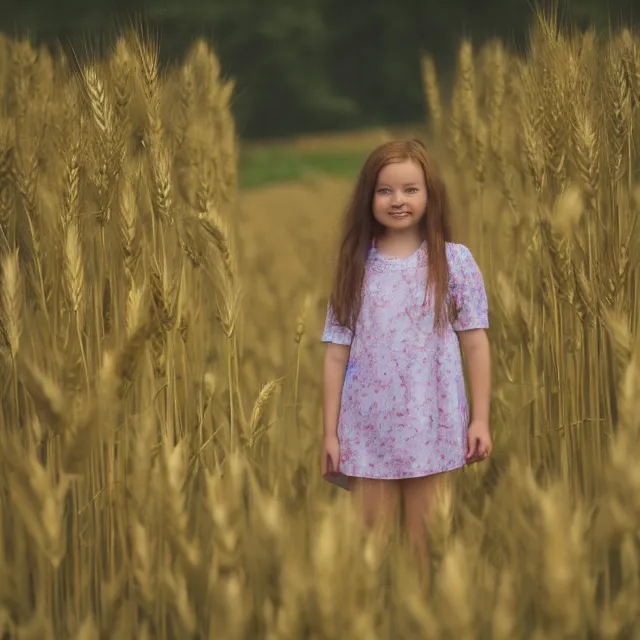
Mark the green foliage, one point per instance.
(307, 65)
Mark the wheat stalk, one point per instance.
(129, 234)
(257, 429)
(432, 90)
(12, 302)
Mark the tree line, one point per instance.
(306, 65)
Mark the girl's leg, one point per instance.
(377, 500)
(419, 496)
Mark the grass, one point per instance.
(271, 166)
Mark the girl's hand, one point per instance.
(479, 442)
(330, 463)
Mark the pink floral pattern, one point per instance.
(404, 409)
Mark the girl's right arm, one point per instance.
(335, 366)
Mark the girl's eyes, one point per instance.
(410, 190)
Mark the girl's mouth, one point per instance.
(400, 214)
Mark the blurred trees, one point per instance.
(305, 65)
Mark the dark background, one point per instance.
(307, 65)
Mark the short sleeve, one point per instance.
(334, 332)
(467, 291)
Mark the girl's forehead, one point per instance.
(405, 171)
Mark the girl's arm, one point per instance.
(475, 346)
(335, 365)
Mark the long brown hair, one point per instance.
(360, 229)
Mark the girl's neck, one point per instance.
(398, 245)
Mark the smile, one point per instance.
(400, 214)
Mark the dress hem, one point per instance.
(342, 479)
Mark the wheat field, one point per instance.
(161, 365)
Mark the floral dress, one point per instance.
(404, 411)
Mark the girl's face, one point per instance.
(400, 196)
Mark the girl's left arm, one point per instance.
(475, 346)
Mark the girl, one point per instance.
(404, 301)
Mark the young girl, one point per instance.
(405, 300)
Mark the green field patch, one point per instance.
(263, 167)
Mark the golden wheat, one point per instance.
(151, 486)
